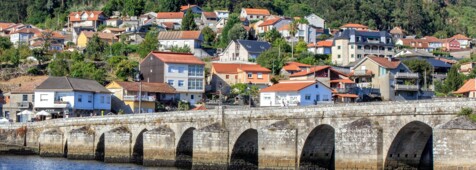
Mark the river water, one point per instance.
(17, 162)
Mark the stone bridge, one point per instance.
(386, 135)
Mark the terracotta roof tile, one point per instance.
(169, 15)
(210, 14)
(29, 87)
(256, 11)
(294, 66)
(269, 22)
(415, 43)
(27, 31)
(288, 86)
(312, 70)
(346, 81)
(176, 35)
(353, 25)
(186, 7)
(460, 37)
(384, 62)
(5, 25)
(347, 95)
(469, 86)
(92, 15)
(147, 87)
(396, 30)
(321, 44)
(179, 58)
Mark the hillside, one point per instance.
(421, 17)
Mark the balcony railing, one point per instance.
(360, 73)
(439, 75)
(407, 75)
(403, 87)
(342, 90)
(61, 104)
(23, 105)
(136, 98)
(364, 85)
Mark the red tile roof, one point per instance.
(345, 81)
(256, 11)
(417, 43)
(92, 15)
(186, 7)
(232, 68)
(288, 86)
(5, 25)
(384, 62)
(169, 15)
(176, 35)
(269, 22)
(347, 95)
(286, 27)
(210, 14)
(396, 30)
(179, 58)
(353, 25)
(168, 24)
(30, 86)
(469, 86)
(27, 31)
(294, 66)
(460, 37)
(147, 87)
(312, 70)
(321, 44)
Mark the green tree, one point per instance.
(58, 67)
(237, 32)
(188, 22)
(95, 48)
(124, 70)
(87, 70)
(422, 67)
(454, 80)
(149, 44)
(272, 35)
(184, 49)
(39, 55)
(301, 47)
(5, 43)
(233, 19)
(271, 60)
(208, 37)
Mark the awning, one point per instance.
(25, 112)
(3, 120)
(43, 113)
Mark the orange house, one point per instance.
(226, 74)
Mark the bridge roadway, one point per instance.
(387, 135)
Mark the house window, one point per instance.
(180, 83)
(326, 98)
(352, 56)
(351, 46)
(90, 98)
(171, 82)
(307, 97)
(318, 98)
(151, 70)
(389, 48)
(192, 96)
(250, 75)
(227, 76)
(43, 97)
(338, 47)
(195, 84)
(357, 39)
(80, 98)
(171, 69)
(260, 75)
(338, 56)
(102, 99)
(236, 76)
(359, 47)
(195, 70)
(181, 69)
(359, 55)
(108, 100)
(25, 98)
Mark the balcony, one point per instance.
(407, 75)
(60, 104)
(373, 41)
(361, 73)
(23, 105)
(402, 87)
(364, 85)
(342, 90)
(143, 98)
(439, 76)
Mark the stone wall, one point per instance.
(357, 136)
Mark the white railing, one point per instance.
(406, 87)
(364, 85)
(136, 98)
(407, 75)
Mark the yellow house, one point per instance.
(85, 36)
(126, 96)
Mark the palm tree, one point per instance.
(294, 28)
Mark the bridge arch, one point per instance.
(319, 149)
(412, 148)
(184, 151)
(138, 148)
(245, 151)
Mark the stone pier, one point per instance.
(277, 146)
(159, 147)
(117, 144)
(81, 144)
(210, 147)
(51, 143)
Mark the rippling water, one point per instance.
(36, 162)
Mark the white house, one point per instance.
(183, 71)
(295, 93)
(254, 13)
(72, 97)
(243, 51)
(315, 20)
(169, 18)
(23, 36)
(191, 39)
(222, 13)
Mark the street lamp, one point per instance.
(138, 78)
(249, 93)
